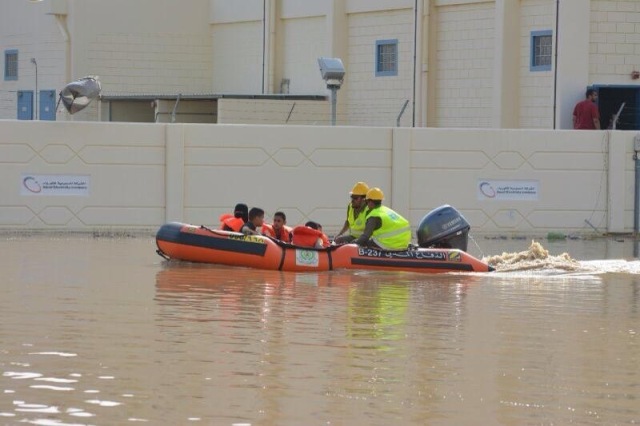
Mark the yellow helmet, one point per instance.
(359, 188)
(375, 194)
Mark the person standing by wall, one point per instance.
(585, 114)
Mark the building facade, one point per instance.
(408, 63)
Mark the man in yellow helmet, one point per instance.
(384, 228)
(355, 215)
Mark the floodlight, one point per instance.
(332, 71)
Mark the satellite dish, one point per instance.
(78, 94)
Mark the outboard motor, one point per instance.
(443, 227)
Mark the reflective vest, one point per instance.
(356, 224)
(306, 237)
(285, 232)
(395, 232)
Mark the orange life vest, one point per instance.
(228, 220)
(285, 234)
(307, 237)
(325, 240)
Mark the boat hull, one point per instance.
(192, 243)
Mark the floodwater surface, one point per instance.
(104, 331)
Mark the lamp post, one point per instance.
(332, 72)
(34, 62)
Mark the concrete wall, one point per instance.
(136, 54)
(377, 100)
(271, 111)
(536, 87)
(464, 61)
(141, 175)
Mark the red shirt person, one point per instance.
(586, 114)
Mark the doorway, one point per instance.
(611, 98)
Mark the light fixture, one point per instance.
(332, 72)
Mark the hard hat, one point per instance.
(359, 188)
(375, 194)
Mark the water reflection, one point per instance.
(346, 337)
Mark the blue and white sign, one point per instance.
(76, 185)
(521, 190)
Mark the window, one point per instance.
(386, 58)
(10, 64)
(541, 49)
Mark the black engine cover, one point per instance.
(443, 227)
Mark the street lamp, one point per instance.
(332, 72)
(34, 62)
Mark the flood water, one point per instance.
(104, 331)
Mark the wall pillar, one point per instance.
(506, 105)
(430, 51)
(400, 200)
(573, 58)
(616, 182)
(338, 47)
(174, 172)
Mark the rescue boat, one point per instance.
(186, 242)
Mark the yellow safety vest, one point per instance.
(356, 224)
(395, 232)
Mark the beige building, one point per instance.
(422, 63)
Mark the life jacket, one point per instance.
(223, 217)
(285, 233)
(325, 240)
(229, 222)
(356, 224)
(305, 236)
(395, 232)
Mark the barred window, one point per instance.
(10, 64)
(386, 57)
(541, 50)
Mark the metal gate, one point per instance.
(25, 105)
(48, 105)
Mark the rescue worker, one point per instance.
(355, 215)
(279, 229)
(384, 228)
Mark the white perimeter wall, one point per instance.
(142, 175)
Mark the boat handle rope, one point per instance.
(162, 254)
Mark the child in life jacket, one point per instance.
(310, 235)
(279, 229)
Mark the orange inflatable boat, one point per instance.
(186, 242)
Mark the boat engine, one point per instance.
(443, 227)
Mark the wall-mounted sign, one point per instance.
(522, 190)
(54, 184)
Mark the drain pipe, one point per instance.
(175, 109)
(636, 201)
(402, 112)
